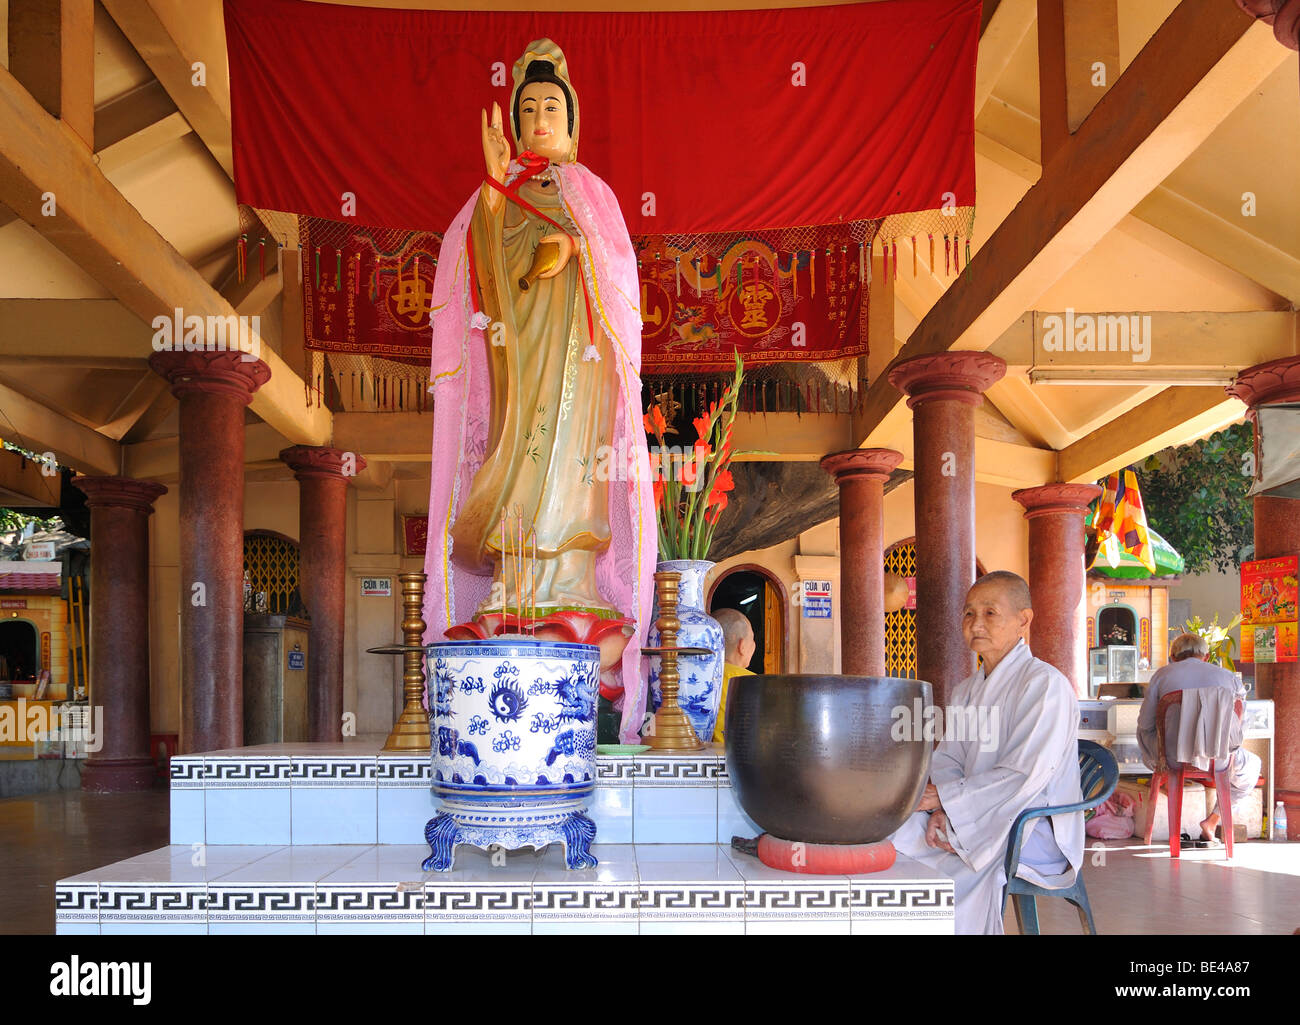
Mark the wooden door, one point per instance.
(773, 629)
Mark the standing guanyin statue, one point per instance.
(541, 517)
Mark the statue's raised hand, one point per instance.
(496, 149)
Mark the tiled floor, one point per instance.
(47, 837)
(1134, 889)
(1138, 889)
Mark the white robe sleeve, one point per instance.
(1042, 731)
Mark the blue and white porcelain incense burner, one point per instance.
(513, 728)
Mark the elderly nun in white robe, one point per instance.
(1024, 754)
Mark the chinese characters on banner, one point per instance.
(768, 304)
(1268, 609)
(361, 298)
(365, 297)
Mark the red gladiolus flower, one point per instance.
(702, 425)
(658, 488)
(722, 483)
(654, 421)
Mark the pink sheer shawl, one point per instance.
(459, 385)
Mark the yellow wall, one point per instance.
(48, 613)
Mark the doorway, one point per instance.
(753, 592)
(19, 650)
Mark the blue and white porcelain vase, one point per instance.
(513, 729)
(700, 689)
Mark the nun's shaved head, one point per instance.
(1011, 586)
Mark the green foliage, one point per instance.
(12, 519)
(1195, 497)
(1217, 639)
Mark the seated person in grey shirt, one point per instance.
(1189, 670)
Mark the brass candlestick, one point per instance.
(670, 729)
(411, 731)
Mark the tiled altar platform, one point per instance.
(350, 793)
(327, 838)
(641, 888)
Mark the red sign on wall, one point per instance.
(415, 535)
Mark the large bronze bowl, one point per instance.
(812, 758)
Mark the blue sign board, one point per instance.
(297, 660)
(816, 607)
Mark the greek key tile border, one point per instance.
(352, 902)
(76, 902)
(333, 772)
(404, 771)
(489, 902)
(684, 771)
(247, 773)
(810, 900)
(902, 900)
(666, 902)
(615, 771)
(257, 902)
(163, 903)
(576, 902)
(187, 773)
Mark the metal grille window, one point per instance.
(271, 563)
(900, 626)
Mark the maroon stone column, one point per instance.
(861, 474)
(119, 629)
(323, 475)
(1056, 576)
(1277, 532)
(213, 388)
(943, 391)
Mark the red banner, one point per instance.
(767, 304)
(699, 121)
(767, 145)
(366, 296)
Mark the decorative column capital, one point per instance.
(317, 462)
(123, 492)
(225, 373)
(1277, 380)
(1283, 15)
(1056, 498)
(861, 464)
(961, 375)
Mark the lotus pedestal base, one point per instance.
(520, 825)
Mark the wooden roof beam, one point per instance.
(99, 230)
(1204, 348)
(1004, 27)
(52, 53)
(1200, 64)
(33, 426)
(1078, 60)
(1174, 417)
(172, 60)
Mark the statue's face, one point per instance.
(544, 121)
